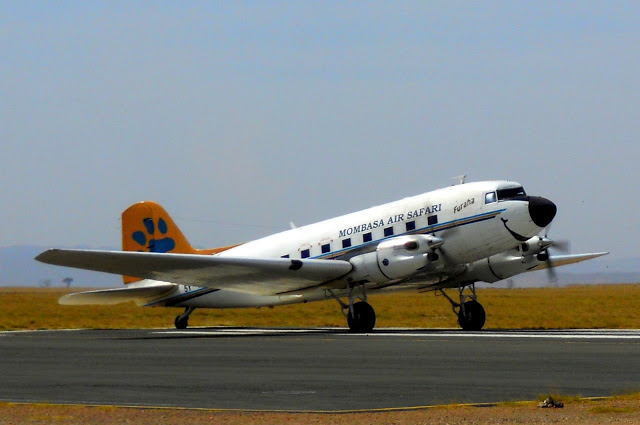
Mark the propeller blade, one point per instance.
(551, 272)
(561, 245)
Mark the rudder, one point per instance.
(147, 227)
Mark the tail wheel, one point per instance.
(472, 317)
(181, 322)
(363, 318)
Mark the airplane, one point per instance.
(448, 238)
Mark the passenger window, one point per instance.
(367, 237)
(346, 243)
(326, 248)
(285, 256)
(432, 219)
(388, 231)
(490, 198)
(411, 225)
(305, 253)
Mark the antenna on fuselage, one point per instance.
(460, 179)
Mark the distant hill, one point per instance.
(18, 268)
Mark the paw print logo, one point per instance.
(148, 239)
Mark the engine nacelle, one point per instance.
(501, 266)
(535, 245)
(395, 258)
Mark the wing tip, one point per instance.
(66, 300)
(43, 256)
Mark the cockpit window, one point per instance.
(511, 193)
(490, 198)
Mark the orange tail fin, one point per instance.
(146, 226)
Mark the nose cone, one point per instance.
(541, 210)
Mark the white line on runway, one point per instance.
(505, 335)
(227, 332)
(552, 334)
(572, 334)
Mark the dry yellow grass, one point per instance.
(588, 306)
(583, 411)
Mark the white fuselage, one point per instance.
(472, 224)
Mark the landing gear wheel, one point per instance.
(181, 322)
(363, 319)
(472, 316)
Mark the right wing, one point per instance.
(259, 276)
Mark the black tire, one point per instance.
(181, 323)
(474, 317)
(363, 319)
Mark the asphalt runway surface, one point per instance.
(312, 369)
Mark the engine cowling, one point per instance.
(523, 258)
(395, 258)
(500, 266)
(535, 245)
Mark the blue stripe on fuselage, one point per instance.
(429, 229)
(177, 299)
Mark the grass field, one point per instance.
(588, 306)
(623, 409)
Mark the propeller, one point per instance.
(561, 245)
(442, 252)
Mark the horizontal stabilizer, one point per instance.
(117, 295)
(259, 276)
(563, 260)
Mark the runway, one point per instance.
(312, 369)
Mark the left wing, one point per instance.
(131, 292)
(259, 276)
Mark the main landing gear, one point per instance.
(361, 317)
(182, 320)
(471, 315)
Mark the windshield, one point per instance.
(511, 193)
(490, 198)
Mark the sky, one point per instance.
(239, 117)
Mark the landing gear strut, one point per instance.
(361, 317)
(182, 320)
(471, 315)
